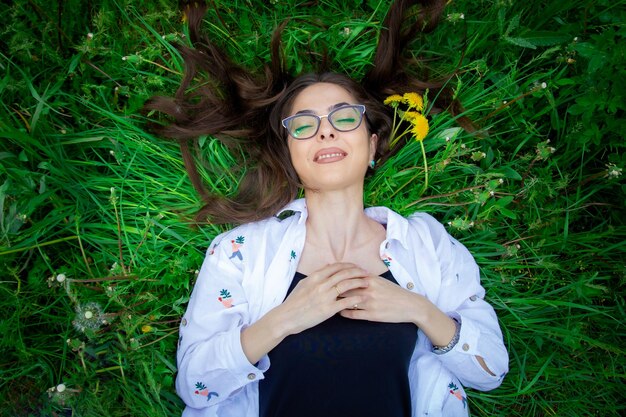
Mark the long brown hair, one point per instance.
(244, 109)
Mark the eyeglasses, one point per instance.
(344, 119)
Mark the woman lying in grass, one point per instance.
(318, 306)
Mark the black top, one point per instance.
(341, 367)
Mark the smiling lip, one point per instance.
(329, 155)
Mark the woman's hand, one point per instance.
(313, 300)
(321, 295)
(385, 301)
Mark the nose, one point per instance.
(326, 131)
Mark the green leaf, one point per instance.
(520, 42)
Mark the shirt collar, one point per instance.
(397, 226)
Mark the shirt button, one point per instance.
(465, 347)
(251, 376)
(387, 245)
(473, 298)
(184, 322)
(410, 286)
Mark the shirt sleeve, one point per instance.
(212, 366)
(461, 296)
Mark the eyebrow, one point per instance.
(331, 108)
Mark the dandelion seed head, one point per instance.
(89, 317)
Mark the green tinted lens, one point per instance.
(346, 118)
(303, 126)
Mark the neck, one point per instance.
(336, 223)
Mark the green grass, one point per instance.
(537, 195)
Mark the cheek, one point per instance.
(297, 154)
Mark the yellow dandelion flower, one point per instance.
(146, 328)
(420, 128)
(411, 116)
(393, 100)
(414, 101)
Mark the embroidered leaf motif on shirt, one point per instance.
(236, 246)
(225, 298)
(293, 255)
(202, 390)
(454, 390)
(387, 260)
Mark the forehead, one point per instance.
(320, 97)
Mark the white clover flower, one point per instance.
(60, 278)
(613, 171)
(60, 387)
(544, 85)
(90, 35)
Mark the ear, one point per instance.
(373, 145)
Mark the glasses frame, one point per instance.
(359, 107)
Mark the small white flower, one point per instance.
(90, 35)
(88, 314)
(447, 138)
(462, 146)
(614, 171)
(491, 193)
(544, 85)
(551, 149)
(504, 101)
(501, 181)
(61, 277)
(462, 16)
(124, 58)
(576, 39)
(61, 387)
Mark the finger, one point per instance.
(346, 274)
(330, 270)
(351, 287)
(349, 303)
(355, 314)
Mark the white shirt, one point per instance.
(247, 272)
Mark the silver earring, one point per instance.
(372, 164)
